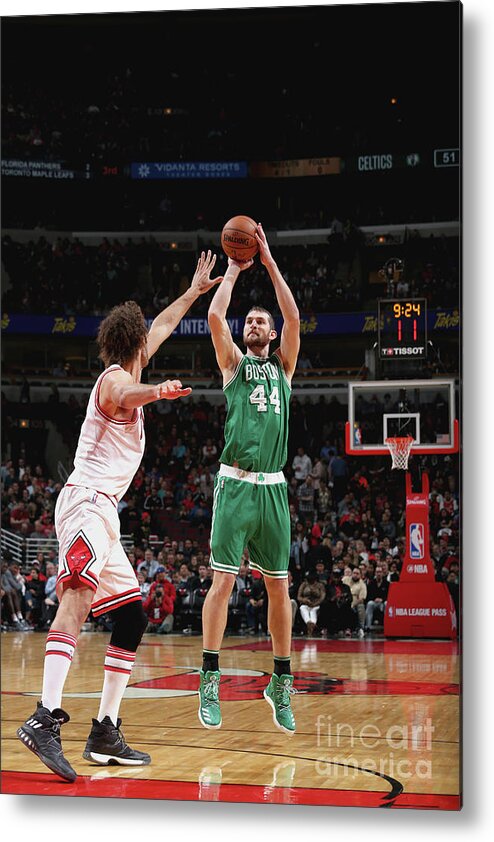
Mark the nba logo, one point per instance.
(357, 434)
(416, 540)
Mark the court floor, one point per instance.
(378, 723)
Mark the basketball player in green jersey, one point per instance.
(250, 504)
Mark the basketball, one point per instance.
(238, 238)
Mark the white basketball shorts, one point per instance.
(90, 553)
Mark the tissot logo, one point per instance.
(415, 351)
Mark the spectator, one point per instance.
(209, 452)
(454, 589)
(359, 595)
(322, 572)
(161, 581)
(143, 585)
(377, 594)
(153, 502)
(336, 612)
(299, 548)
(182, 580)
(179, 450)
(50, 603)
(206, 484)
(310, 595)
(339, 477)
(292, 593)
(302, 465)
(35, 589)
(39, 563)
(387, 527)
(323, 500)
(393, 575)
(203, 579)
(450, 505)
(11, 595)
(200, 515)
(243, 579)
(159, 611)
(185, 576)
(149, 565)
(318, 472)
(19, 515)
(306, 496)
(256, 609)
(345, 505)
(348, 524)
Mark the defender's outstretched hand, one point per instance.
(264, 252)
(172, 389)
(201, 281)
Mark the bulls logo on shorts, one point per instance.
(79, 554)
(77, 561)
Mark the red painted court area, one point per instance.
(19, 783)
(373, 647)
(238, 687)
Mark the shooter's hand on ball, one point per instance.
(172, 389)
(264, 252)
(241, 264)
(201, 282)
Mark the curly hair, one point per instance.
(121, 334)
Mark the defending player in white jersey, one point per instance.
(94, 572)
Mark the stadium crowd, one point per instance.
(347, 526)
(68, 277)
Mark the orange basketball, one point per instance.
(237, 238)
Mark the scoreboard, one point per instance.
(402, 328)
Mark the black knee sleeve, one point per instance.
(129, 624)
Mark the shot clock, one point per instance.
(402, 328)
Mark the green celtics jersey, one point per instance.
(256, 427)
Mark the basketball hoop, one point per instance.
(400, 448)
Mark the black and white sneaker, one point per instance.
(106, 745)
(41, 734)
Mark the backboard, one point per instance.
(424, 409)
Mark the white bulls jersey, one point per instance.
(109, 450)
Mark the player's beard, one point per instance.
(256, 343)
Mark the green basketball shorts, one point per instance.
(250, 510)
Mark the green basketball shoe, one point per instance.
(209, 699)
(277, 694)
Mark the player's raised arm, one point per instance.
(166, 322)
(227, 353)
(290, 334)
(120, 391)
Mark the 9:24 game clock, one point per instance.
(402, 328)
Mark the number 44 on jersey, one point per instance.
(259, 398)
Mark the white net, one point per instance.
(400, 448)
